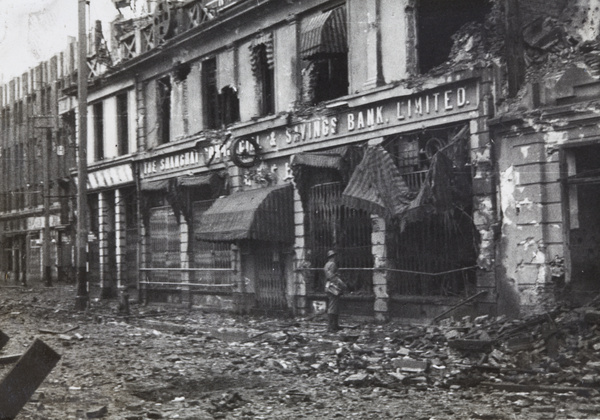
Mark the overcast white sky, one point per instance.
(34, 30)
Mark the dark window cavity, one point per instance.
(437, 21)
(210, 93)
(122, 124)
(99, 129)
(220, 108)
(164, 109)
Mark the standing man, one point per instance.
(335, 288)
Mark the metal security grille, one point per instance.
(435, 254)
(440, 245)
(334, 226)
(164, 244)
(213, 258)
(131, 239)
(270, 280)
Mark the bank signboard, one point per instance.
(442, 102)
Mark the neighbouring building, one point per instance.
(36, 152)
(446, 150)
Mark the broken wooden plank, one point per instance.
(7, 360)
(3, 339)
(25, 377)
(45, 331)
(458, 305)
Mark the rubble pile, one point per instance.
(178, 362)
(554, 351)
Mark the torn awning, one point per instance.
(377, 185)
(325, 33)
(154, 185)
(264, 214)
(212, 180)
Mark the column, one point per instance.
(142, 245)
(380, 275)
(302, 259)
(103, 245)
(120, 241)
(184, 235)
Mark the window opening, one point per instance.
(437, 21)
(211, 93)
(164, 109)
(324, 48)
(220, 108)
(98, 109)
(230, 105)
(582, 207)
(264, 73)
(123, 124)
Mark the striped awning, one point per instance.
(262, 39)
(264, 214)
(377, 185)
(325, 33)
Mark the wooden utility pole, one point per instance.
(47, 274)
(82, 299)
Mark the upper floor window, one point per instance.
(220, 108)
(438, 21)
(98, 109)
(122, 124)
(324, 53)
(164, 109)
(263, 68)
(210, 93)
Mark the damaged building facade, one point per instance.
(231, 144)
(545, 138)
(269, 133)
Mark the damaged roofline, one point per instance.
(133, 63)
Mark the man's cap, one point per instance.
(331, 253)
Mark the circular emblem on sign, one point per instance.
(244, 152)
(162, 20)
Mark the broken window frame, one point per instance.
(220, 108)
